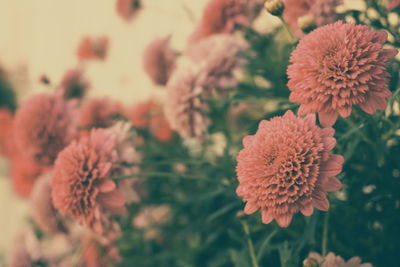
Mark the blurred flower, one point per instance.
(286, 167)
(151, 217)
(338, 66)
(99, 255)
(99, 113)
(159, 60)
(93, 48)
(184, 108)
(81, 185)
(323, 11)
(393, 4)
(7, 145)
(74, 84)
(220, 16)
(43, 212)
(336, 261)
(275, 7)
(150, 115)
(128, 9)
(24, 174)
(43, 127)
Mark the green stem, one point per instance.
(325, 236)
(286, 26)
(253, 257)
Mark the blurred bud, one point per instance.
(310, 262)
(275, 7)
(180, 168)
(307, 23)
(240, 214)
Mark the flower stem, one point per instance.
(286, 26)
(325, 234)
(253, 257)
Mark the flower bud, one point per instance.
(310, 262)
(275, 7)
(307, 23)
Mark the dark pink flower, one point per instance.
(128, 9)
(44, 125)
(73, 84)
(331, 260)
(159, 60)
(286, 167)
(81, 182)
(93, 48)
(337, 66)
(99, 113)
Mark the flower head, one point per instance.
(97, 254)
(286, 168)
(93, 48)
(99, 113)
(73, 84)
(159, 60)
(128, 9)
(43, 127)
(324, 12)
(331, 260)
(81, 185)
(338, 66)
(43, 212)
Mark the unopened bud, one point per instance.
(310, 262)
(307, 23)
(275, 7)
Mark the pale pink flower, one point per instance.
(44, 214)
(338, 66)
(44, 125)
(81, 182)
(93, 48)
(128, 9)
(323, 11)
(286, 167)
(159, 60)
(331, 260)
(73, 84)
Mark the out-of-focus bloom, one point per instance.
(286, 167)
(331, 260)
(184, 108)
(393, 4)
(128, 9)
(43, 127)
(220, 16)
(81, 185)
(24, 174)
(159, 60)
(7, 145)
(99, 113)
(275, 7)
(149, 218)
(97, 254)
(73, 84)
(93, 48)
(150, 115)
(323, 11)
(338, 66)
(43, 212)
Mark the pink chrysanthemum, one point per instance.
(26, 252)
(43, 127)
(323, 11)
(81, 185)
(338, 66)
(159, 60)
(7, 144)
(93, 48)
(336, 261)
(393, 4)
(99, 113)
(286, 168)
(220, 16)
(128, 9)
(43, 212)
(73, 84)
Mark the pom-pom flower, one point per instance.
(331, 260)
(128, 9)
(43, 212)
(286, 168)
(93, 48)
(338, 66)
(159, 60)
(43, 127)
(323, 11)
(73, 84)
(99, 113)
(81, 182)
